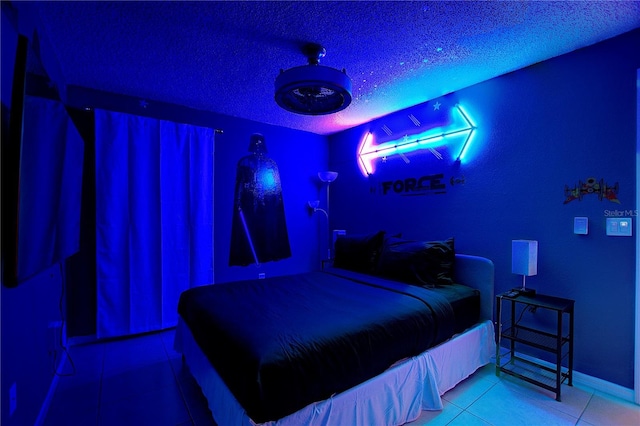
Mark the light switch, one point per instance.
(581, 225)
(619, 226)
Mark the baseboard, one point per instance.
(584, 380)
(82, 340)
(603, 386)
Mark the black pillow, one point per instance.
(426, 263)
(358, 252)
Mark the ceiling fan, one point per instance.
(313, 89)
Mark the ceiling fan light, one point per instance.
(313, 89)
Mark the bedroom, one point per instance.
(553, 124)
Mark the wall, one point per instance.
(540, 130)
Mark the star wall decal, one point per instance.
(436, 106)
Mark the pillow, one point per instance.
(358, 252)
(426, 263)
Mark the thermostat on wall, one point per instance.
(581, 225)
(619, 226)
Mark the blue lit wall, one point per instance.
(557, 123)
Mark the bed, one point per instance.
(374, 339)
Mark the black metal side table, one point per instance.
(559, 342)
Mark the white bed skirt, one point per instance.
(394, 397)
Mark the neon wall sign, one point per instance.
(460, 126)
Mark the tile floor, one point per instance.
(141, 381)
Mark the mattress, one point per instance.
(282, 343)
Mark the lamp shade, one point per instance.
(524, 257)
(327, 177)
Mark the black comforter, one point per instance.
(282, 343)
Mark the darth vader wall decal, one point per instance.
(259, 229)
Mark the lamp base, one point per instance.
(525, 291)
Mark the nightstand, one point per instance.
(559, 341)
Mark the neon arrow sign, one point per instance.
(463, 127)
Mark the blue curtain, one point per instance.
(154, 219)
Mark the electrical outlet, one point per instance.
(13, 399)
(53, 336)
(261, 276)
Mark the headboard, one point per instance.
(477, 272)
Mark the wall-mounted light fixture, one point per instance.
(524, 261)
(461, 126)
(315, 207)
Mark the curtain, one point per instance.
(154, 219)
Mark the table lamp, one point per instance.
(524, 261)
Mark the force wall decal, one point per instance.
(417, 186)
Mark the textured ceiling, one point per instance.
(224, 56)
